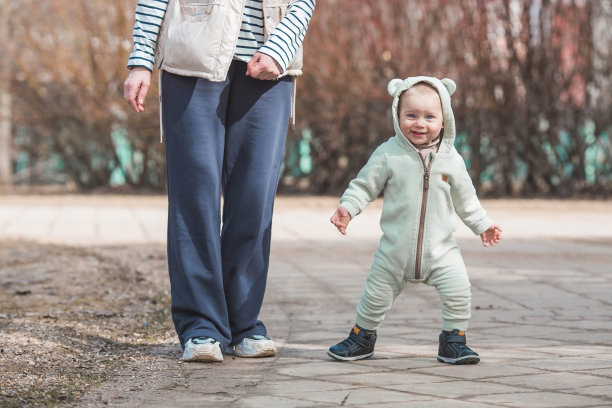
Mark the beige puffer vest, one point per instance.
(198, 37)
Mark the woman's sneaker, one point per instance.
(202, 348)
(453, 349)
(256, 346)
(358, 345)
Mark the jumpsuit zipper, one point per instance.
(419, 252)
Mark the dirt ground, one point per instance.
(71, 318)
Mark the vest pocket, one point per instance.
(196, 11)
(194, 36)
(274, 11)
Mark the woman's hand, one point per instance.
(262, 66)
(136, 86)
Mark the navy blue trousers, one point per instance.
(224, 144)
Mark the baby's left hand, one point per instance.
(491, 236)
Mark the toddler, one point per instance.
(425, 182)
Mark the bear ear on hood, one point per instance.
(393, 85)
(450, 85)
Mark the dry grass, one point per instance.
(70, 318)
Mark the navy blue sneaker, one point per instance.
(358, 345)
(453, 350)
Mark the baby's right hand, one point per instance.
(341, 219)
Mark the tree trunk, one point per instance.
(5, 101)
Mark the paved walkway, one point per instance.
(542, 319)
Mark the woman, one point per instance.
(227, 73)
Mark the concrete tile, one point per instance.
(456, 389)
(540, 400)
(506, 355)
(483, 370)
(306, 351)
(400, 363)
(362, 397)
(290, 387)
(383, 378)
(271, 401)
(406, 350)
(564, 364)
(283, 361)
(604, 391)
(594, 338)
(518, 331)
(187, 399)
(552, 381)
(317, 369)
(607, 372)
(576, 351)
(438, 403)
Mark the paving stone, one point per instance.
(559, 381)
(482, 371)
(607, 372)
(290, 387)
(576, 350)
(568, 364)
(401, 363)
(439, 403)
(383, 378)
(271, 401)
(317, 369)
(540, 400)
(456, 389)
(363, 396)
(595, 391)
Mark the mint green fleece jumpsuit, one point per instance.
(421, 198)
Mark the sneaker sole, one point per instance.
(260, 350)
(461, 360)
(204, 358)
(341, 358)
(258, 354)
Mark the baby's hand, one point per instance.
(491, 236)
(341, 219)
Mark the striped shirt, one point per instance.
(281, 45)
(251, 37)
(149, 16)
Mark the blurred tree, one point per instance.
(532, 105)
(70, 71)
(534, 109)
(6, 9)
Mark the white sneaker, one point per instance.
(202, 349)
(256, 346)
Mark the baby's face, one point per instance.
(420, 114)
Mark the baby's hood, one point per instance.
(445, 87)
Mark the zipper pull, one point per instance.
(426, 180)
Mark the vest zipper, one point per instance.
(419, 252)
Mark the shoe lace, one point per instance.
(203, 340)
